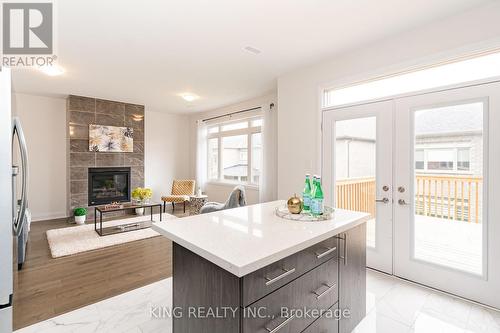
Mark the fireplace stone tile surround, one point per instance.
(83, 111)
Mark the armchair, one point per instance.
(181, 191)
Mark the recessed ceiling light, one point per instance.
(252, 50)
(53, 70)
(189, 97)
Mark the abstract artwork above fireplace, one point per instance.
(111, 139)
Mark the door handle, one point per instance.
(402, 202)
(383, 200)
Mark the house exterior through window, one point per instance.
(235, 151)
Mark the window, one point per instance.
(481, 67)
(440, 159)
(234, 167)
(463, 159)
(256, 157)
(447, 160)
(213, 158)
(235, 151)
(419, 159)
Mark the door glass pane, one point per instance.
(235, 158)
(448, 207)
(355, 168)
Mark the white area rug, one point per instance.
(67, 241)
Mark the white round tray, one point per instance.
(283, 212)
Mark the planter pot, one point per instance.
(80, 219)
(139, 211)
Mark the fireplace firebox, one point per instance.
(107, 185)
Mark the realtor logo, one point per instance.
(27, 28)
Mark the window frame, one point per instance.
(219, 135)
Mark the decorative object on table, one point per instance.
(111, 139)
(237, 198)
(80, 215)
(196, 202)
(181, 191)
(284, 213)
(306, 194)
(199, 193)
(141, 196)
(294, 204)
(317, 197)
(113, 205)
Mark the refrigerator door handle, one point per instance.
(19, 218)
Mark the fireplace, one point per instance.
(107, 185)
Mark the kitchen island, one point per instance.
(245, 270)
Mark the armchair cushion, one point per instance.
(175, 198)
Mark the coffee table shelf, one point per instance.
(126, 227)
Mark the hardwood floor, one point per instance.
(48, 287)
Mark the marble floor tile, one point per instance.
(128, 312)
(376, 322)
(403, 303)
(393, 306)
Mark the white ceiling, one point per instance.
(148, 52)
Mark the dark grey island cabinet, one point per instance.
(303, 292)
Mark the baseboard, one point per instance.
(38, 218)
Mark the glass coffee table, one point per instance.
(126, 226)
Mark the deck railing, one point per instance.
(357, 194)
(443, 196)
(450, 197)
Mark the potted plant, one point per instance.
(80, 215)
(141, 196)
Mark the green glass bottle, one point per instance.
(306, 194)
(317, 198)
(313, 188)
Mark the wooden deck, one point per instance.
(449, 243)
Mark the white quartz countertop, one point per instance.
(245, 239)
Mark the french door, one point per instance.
(436, 159)
(359, 141)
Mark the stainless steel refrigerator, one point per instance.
(13, 196)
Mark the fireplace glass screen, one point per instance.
(109, 185)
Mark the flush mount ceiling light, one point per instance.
(52, 70)
(189, 97)
(252, 50)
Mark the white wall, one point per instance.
(166, 151)
(44, 124)
(217, 191)
(299, 91)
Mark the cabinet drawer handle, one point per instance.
(280, 326)
(330, 288)
(270, 281)
(327, 252)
